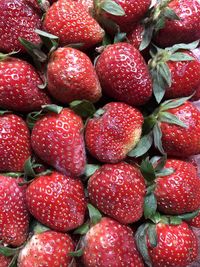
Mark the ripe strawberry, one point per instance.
(184, 30)
(88, 4)
(58, 140)
(113, 132)
(49, 248)
(71, 76)
(176, 246)
(110, 243)
(19, 18)
(19, 83)
(179, 141)
(4, 261)
(14, 216)
(179, 192)
(195, 222)
(72, 23)
(124, 75)
(15, 147)
(118, 190)
(135, 35)
(57, 201)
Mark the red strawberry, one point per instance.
(15, 147)
(135, 35)
(179, 141)
(88, 4)
(14, 217)
(176, 246)
(186, 29)
(71, 76)
(19, 83)
(113, 132)
(4, 261)
(118, 190)
(57, 201)
(47, 249)
(178, 192)
(124, 75)
(110, 243)
(58, 140)
(72, 23)
(19, 18)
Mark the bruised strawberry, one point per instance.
(71, 76)
(57, 201)
(113, 132)
(4, 261)
(14, 216)
(49, 248)
(19, 18)
(179, 192)
(72, 23)
(118, 190)
(110, 243)
(19, 89)
(15, 147)
(124, 75)
(58, 140)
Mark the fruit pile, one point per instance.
(99, 133)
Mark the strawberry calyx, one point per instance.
(90, 169)
(13, 174)
(83, 108)
(155, 21)
(109, 6)
(159, 69)
(44, 4)
(5, 56)
(11, 252)
(38, 228)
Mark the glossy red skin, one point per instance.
(111, 136)
(57, 201)
(186, 30)
(177, 246)
(195, 222)
(112, 244)
(5, 261)
(58, 140)
(185, 77)
(179, 141)
(49, 248)
(71, 76)
(14, 216)
(135, 10)
(19, 86)
(88, 4)
(19, 18)
(124, 75)
(135, 35)
(15, 145)
(179, 192)
(118, 190)
(72, 23)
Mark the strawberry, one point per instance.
(14, 216)
(195, 222)
(49, 248)
(113, 132)
(72, 23)
(19, 89)
(124, 75)
(88, 4)
(178, 192)
(135, 35)
(118, 190)
(71, 76)
(57, 201)
(184, 30)
(4, 261)
(15, 147)
(110, 243)
(58, 140)
(19, 18)
(176, 245)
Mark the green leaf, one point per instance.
(8, 252)
(77, 253)
(189, 216)
(82, 230)
(146, 37)
(170, 14)
(95, 215)
(160, 162)
(147, 170)
(90, 169)
(181, 46)
(159, 85)
(4, 56)
(156, 218)
(111, 7)
(52, 108)
(13, 174)
(164, 172)
(150, 189)
(4, 112)
(178, 56)
(141, 242)
(106, 40)
(37, 228)
(142, 147)
(174, 103)
(49, 40)
(46, 34)
(152, 234)
(83, 108)
(13, 262)
(165, 72)
(157, 136)
(28, 168)
(119, 37)
(150, 205)
(175, 220)
(172, 119)
(32, 118)
(99, 113)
